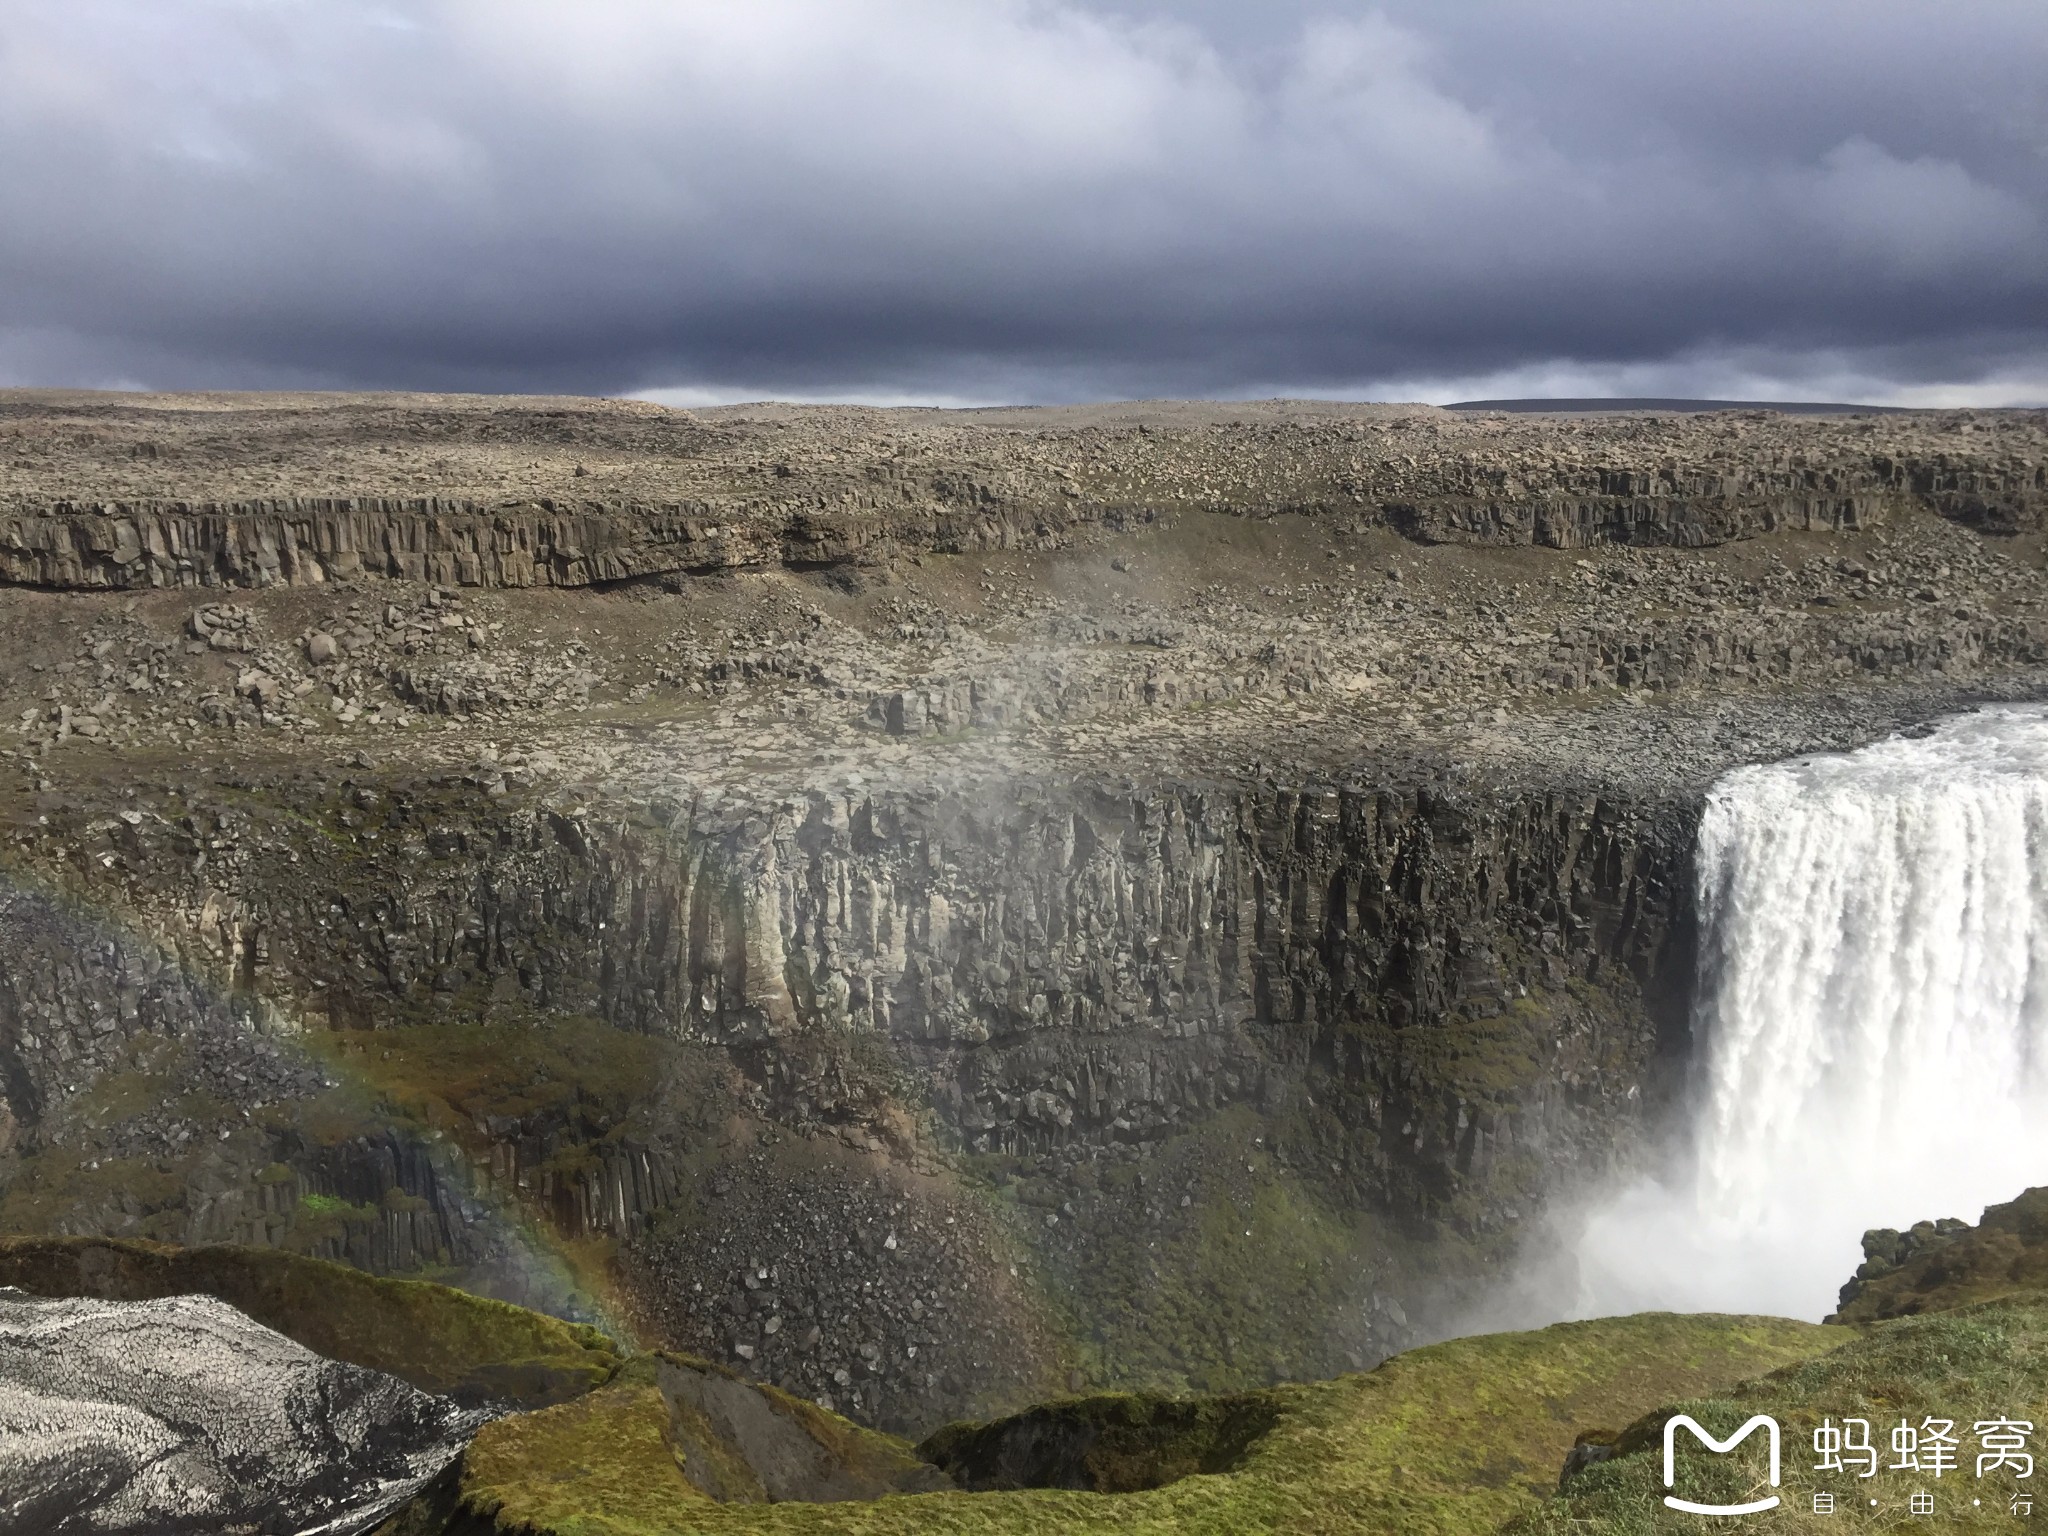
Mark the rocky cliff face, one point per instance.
(1692, 505)
(310, 541)
(618, 492)
(1060, 966)
(148, 1099)
(1942, 1264)
(926, 911)
(1429, 1004)
(306, 541)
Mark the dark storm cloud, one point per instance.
(1010, 200)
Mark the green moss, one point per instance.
(331, 1205)
(1237, 1289)
(602, 1465)
(439, 1339)
(582, 1073)
(1443, 1441)
(1983, 1362)
(324, 1219)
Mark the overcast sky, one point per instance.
(983, 200)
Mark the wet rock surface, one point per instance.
(182, 1415)
(788, 1456)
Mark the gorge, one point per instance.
(934, 912)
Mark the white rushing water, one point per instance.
(1872, 1020)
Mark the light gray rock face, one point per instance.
(160, 1418)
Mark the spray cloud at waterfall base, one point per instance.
(1870, 1025)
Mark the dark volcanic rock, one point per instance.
(81, 509)
(1934, 1266)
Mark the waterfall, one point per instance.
(1871, 1026)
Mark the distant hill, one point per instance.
(1650, 403)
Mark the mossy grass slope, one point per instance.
(577, 1072)
(1453, 1438)
(1977, 1364)
(438, 1339)
(602, 1465)
(1228, 1268)
(636, 1457)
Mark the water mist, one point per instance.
(1871, 1026)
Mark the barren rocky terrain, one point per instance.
(926, 908)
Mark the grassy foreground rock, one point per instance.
(665, 1443)
(1953, 1332)
(1461, 1437)
(1453, 1438)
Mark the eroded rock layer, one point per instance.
(156, 493)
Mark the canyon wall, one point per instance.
(304, 541)
(958, 906)
(1050, 966)
(143, 1097)
(571, 542)
(1430, 1005)
(1692, 506)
